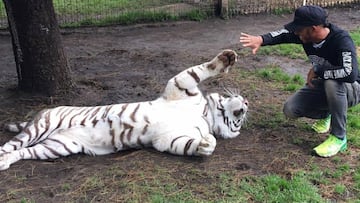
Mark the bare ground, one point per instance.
(133, 63)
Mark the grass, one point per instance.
(99, 6)
(293, 51)
(226, 188)
(355, 34)
(124, 12)
(158, 184)
(357, 178)
(274, 73)
(124, 19)
(272, 188)
(282, 11)
(133, 17)
(2, 10)
(353, 126)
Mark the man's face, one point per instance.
(305, 34)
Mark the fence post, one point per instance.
(224, 9)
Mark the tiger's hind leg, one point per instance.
(30, 133)
(19, 141)
(16, 142)
(50, 148)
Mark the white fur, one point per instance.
(182, 121)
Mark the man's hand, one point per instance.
(310, 76)
(253, 42)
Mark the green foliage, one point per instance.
(355, 35)
(353, 125)
(273, 188)
(293, 51)
(282, 11)
(99, 6)
(272, 118)
(133, 17)
(66, 187)
(2, 10)
(158, 184)
(124, 12)
(195, 15)
(340, 189)
(357, 178)
(26, 200)
(276, 74)
(125, 19)
(318, 176)
(340, 171)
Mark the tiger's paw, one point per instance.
(206, 146)
(4, 161)
(223, 61)
(227, 57)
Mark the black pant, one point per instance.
(328, 97)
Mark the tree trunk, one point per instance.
(40, 59)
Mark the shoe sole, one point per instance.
(319, 131)
(342, 149)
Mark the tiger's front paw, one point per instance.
(227, 57)
(206, 146)
(223, 61)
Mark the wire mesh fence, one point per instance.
(104, 12)
(83, 12)
(240, 7)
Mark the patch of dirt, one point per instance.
(133, 63)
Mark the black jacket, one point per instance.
(335, 59)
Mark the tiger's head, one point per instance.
(228, 113)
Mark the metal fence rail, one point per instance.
(85, 12)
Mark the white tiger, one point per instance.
(182, 121)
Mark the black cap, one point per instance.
(307, 16)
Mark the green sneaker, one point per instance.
(322, 125)
(331, 146)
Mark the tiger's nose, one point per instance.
(246, 102)
(238, 112)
